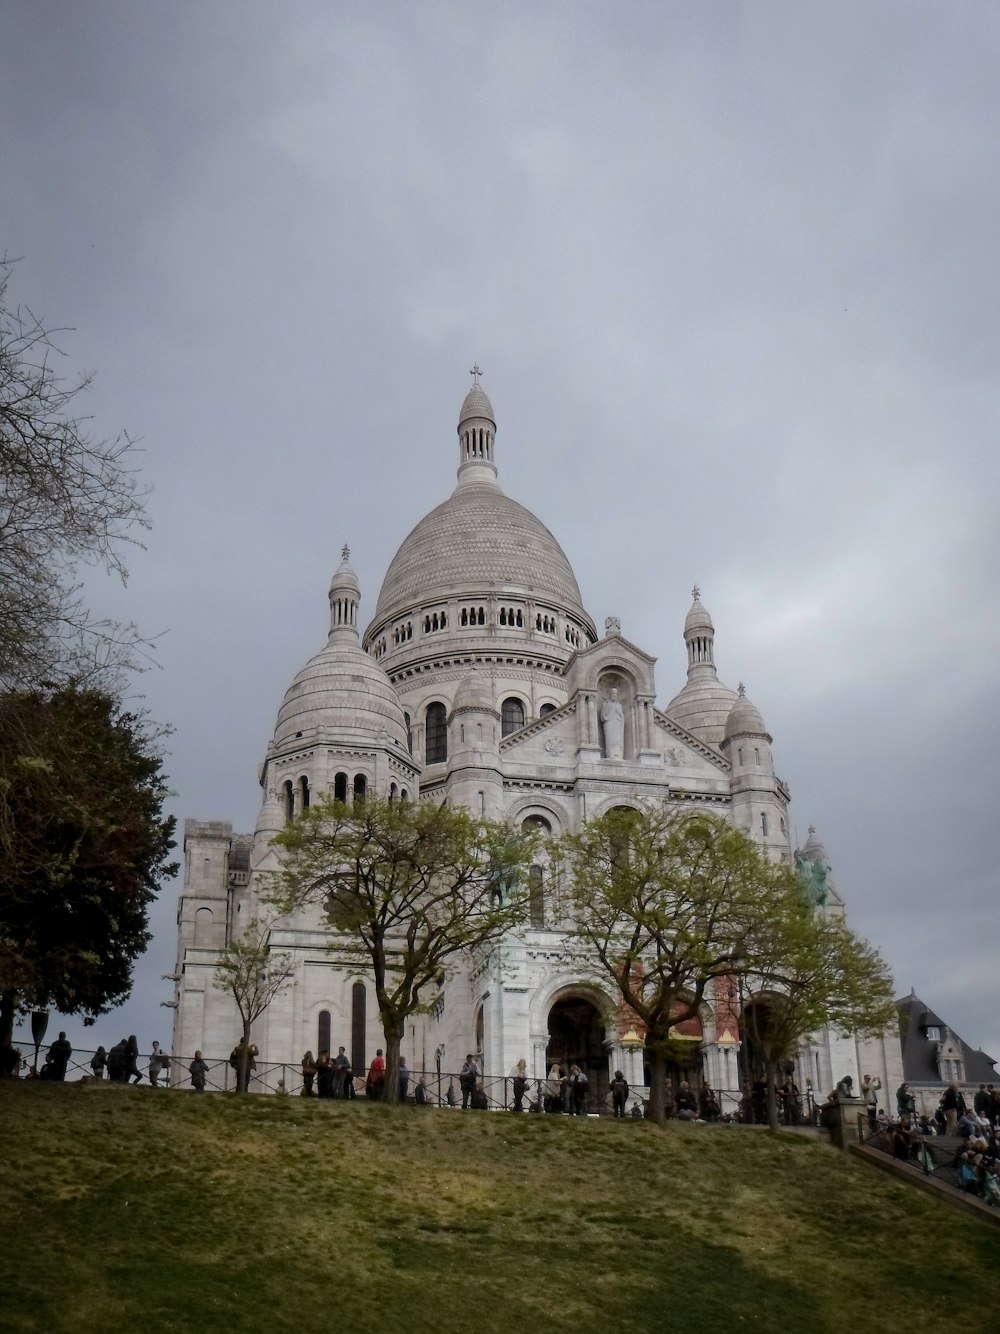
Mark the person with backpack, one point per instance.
(619, 1095)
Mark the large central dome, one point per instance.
(478, 541)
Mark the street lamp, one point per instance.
(437, 1056)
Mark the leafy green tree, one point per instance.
(664, 903)
(809, 971)
(253, 974)
(66, 497)
(410, 889)
(83, 846)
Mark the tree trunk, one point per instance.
(772, 1095)
(7, 1009)
(393, 1032)
(657, 1086)
(243, 1064)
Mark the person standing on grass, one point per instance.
(198, 1070)
(308, 1074)
(376, 1076)
(404, 1079)
(579, 1084)
(467, 1077)
(520, 1073)
(132, 1070)
(157, 1064)
(342, 1075)
(59, 1052)
(98, 1062)
(619, 1095)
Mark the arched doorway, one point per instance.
(576, 1037)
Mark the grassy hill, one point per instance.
(157, 1210)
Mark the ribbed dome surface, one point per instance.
(703, 707)
(476, 405)
(697, 619)
(475, 691)
(744, 719)
(342, 692)
(479, 541)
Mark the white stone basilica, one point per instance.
(481, 678)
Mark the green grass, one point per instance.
(166, 1211)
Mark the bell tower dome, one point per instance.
(476, 435)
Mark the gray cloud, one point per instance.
(732, 275)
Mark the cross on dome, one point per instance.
(345, 552)
(475, 372)
(695, 593)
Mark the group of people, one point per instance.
(122, 1063)
(975, 1163)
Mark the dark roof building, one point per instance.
(933, 1054)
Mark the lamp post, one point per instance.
(437, 1056)
(39, 1023)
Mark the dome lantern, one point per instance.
(345, 594)
(476, 434)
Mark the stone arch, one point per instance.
(525, 806)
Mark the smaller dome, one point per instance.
(476, 405)
(813, 846)
(343, 694)
(702, 707)
(475, 691)
(697, 618)
(744, 718)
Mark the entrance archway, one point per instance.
(576, 1037)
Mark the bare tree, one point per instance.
(66, 497)
(253, 975)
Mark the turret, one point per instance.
(704, 703)
(474, 776)
(757, 806)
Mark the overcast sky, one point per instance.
(731, 271)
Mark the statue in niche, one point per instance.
(613, 723)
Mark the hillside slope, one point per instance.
(166, 1211)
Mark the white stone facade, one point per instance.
(482, 677)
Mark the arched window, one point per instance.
(545, 710)
(436, 733)
(289, 792)
(304, 793)
(392, 794)
(763, 825)
(359, 1020)
(511, 716)
(323, 1033)
(360, 787)
(340, 787)
(536, 897)
(203, 926)
(404, 795)
(409, 732)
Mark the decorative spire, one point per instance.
(345, 594)
(476, 434)
(699, 635)
(741, 690)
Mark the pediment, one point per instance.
(677, 738)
